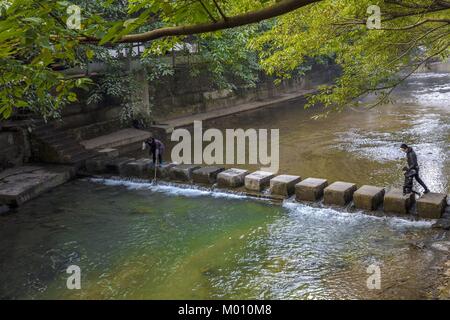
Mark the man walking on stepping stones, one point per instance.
(413, 166)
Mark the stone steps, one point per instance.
(58, 146)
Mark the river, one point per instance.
(135, 240)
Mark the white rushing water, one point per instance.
(321, 213)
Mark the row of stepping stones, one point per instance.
(369, 198)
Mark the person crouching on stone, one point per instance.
(413, 166)
(156, 149)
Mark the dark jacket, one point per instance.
(412, 159)
(156, 145)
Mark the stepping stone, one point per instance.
(231, 178)
(182, 172)
(137, 169)
(284, 185)
(396, 202)
(206, 175)
(108, 152)
(115, 165)
(258, 180)
(339, 193)
(310, 189)
(368, 197)
(162, 171)
(96, 165)
(431, 205)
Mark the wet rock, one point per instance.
(442, 224)
(310, 189)
(206, 175)
(396, 202)
(258, 180)
(339, 193)
(231, 178)
(284, 185)
(137, 169)
(368, 197)
(182, 172)
(431, 205)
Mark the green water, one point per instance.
(138, 241)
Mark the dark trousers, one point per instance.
(153, 153)
(416, 176)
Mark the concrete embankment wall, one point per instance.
(371, 199)
(14, 146)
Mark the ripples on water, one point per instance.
(140, 240)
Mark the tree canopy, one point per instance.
(40, 37)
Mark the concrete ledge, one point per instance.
(117, 139)
(339, 193)
(182, 172)
(108, 152)
(284, 185)
(431, 205)
(396, 202)
(206, 175)
(310, 189)
(138, 169)
(231, 178)
(258, 180)
(368, 197)
(21, 184)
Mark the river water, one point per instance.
(138, 240)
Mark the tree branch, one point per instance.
(274, 10)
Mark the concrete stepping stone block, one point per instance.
(284, 185)
(206, 175)
(396, 202)
(310, 189)
(182, 172)
(162, 170)
(368, 197)
(137, 169)
(116, 165)
(339, 193)
(258, 180)
(431, 205)
(232, 178)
